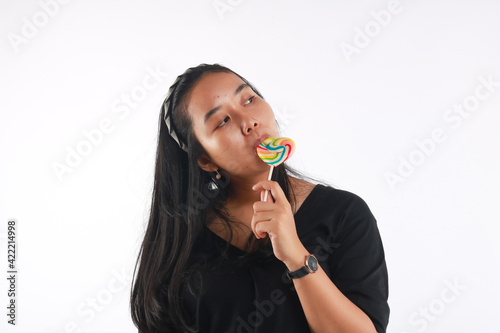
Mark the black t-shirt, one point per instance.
(250, 292)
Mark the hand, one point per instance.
(276, 219)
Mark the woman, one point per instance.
(216, 258)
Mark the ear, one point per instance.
(206, 164)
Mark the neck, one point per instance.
(240, 191)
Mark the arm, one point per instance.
(352, 297)
(356, 266)
(325, 307)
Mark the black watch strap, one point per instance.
(311, 265)
(303, 271)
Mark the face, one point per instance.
(229, 120)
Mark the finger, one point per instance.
(262, 185)
(264, 216)
(263, 228)
(263, 206)
(273, 186)
(255, 221)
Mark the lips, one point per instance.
(260, 139)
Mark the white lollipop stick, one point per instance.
(269, 178)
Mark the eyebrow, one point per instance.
(214, 110)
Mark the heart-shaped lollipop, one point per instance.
(274, 152)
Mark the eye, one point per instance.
(249, 100)
(223, 121)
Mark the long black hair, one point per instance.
(182, 198)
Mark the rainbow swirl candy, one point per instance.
(275, 151)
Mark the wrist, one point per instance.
(297, 261)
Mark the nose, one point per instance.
(248, 124)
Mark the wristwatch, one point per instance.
(310, 266)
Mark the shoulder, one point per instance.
(323, 194)
(333, 200)
(335, 211)
(347, 206)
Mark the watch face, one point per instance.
(312, 263)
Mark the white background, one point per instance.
(354, 119)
